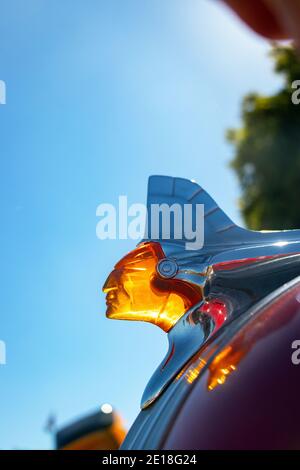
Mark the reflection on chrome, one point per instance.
(220, 364)
(192, 294)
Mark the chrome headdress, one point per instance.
(223, 239)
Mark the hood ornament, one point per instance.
(191, 293)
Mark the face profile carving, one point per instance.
(135, 291)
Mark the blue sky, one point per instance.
(100, 95)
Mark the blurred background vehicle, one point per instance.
(101, 430)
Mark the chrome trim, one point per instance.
(224, 242)
(184, 338)
(150, 429)
(239, 288)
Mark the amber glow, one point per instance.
(220, 368)
(223, 365)
(134, 290)
(193, 372)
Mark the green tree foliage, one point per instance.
(267, 151)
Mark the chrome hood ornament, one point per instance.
(191, 293)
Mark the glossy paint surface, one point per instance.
(239, 391)
(248, 396)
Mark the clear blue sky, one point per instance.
(100, 94)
